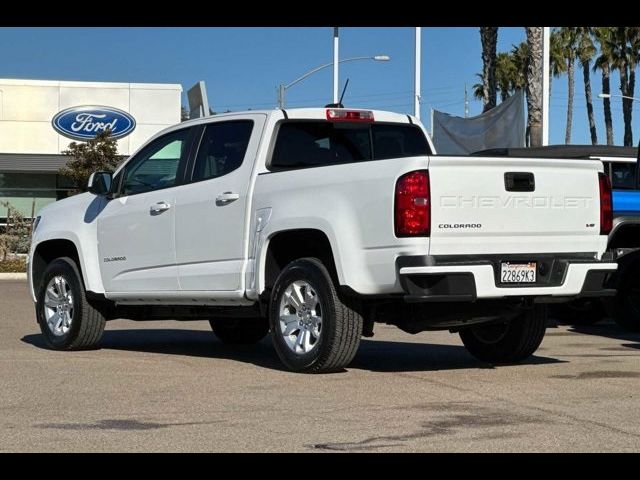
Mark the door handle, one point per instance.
(227, 197)
(519, 182)
(159, 207)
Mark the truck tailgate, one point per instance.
(514, 205)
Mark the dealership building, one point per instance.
(40, 118)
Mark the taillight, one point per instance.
(606, 205)
(336, 115)
(413, 205)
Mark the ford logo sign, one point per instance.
(85, 122)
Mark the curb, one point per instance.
(13, 276)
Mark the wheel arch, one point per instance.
(47, 251)
(285, 246)
(625, 234)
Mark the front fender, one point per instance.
(75, 220)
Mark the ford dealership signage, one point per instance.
(85, 122)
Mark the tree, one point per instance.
(505, 74)
(557, 65)
(520, 59)
(17, 233)
(534, 85)
(184, 114)
(569, 41)
(511, 73)
(625, 46)
(504, 78)
(620, 61)
(489, 39)
(603, 63)
(98, 154)
(634, 56)
(585, 51)
(478, 88)
(520, 81)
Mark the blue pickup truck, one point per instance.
(620, 165)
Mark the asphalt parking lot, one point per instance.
(171, 386)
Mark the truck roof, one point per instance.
(315, 113)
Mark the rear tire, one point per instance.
(67, 320)
(314, 329)
(626, 304)
(240, 331)
(507, 342)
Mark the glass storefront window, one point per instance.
(27, 192)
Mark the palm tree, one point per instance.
(489, 39)
(624, 44)
(534, 85)
(505, 74)
(478, 88)
(603, 63)
(569, 41)
(620, 62)
(633, 35)
(557, 65)
(585, 52)
(520, 58)
(511, 72)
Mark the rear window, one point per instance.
(397, 141)
(307, 144)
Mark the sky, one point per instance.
(242, 67)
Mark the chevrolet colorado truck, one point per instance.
(313, 224)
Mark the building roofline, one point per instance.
(88, 84)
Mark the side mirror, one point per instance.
(100, 183)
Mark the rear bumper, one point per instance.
(454, 280)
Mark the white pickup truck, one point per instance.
(314, 224)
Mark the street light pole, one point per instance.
(283, 88)
(416, 79)
(336, 61)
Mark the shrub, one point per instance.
(17, 235)
(13, 265)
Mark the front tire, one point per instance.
(240, 331)
(314, 329)
(67, 320)
(507, 342)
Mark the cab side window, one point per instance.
(222, 149)
(156, 166)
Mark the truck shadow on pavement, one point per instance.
(190, 343)
(373, 355)
(610, 329)
(384, 356)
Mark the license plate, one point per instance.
(518, 272)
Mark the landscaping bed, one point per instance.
(13, 265)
